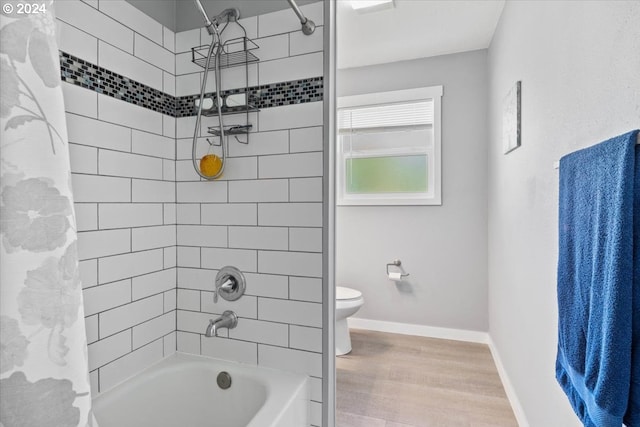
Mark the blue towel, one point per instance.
(598, 329)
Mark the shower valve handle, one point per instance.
(227, 286)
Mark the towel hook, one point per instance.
(397, 263)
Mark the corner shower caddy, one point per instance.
(234, 52)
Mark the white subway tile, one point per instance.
(267, 285)
(188, 299)
(169, 343)
(185, 171)
(245, 307)
(120, 62)
(170, 300)
(95, 244)
(188, 213)
(259, 238)
(88, 19)
(292, 68)
(282, 21)
(169, 40)
(196, 278)
(188, 84)
(169, 83)
(154, 54)
(293, 312)
(86, 216)
(304, 338)
(133, 18)
(120, 215)
(245, 260)
(291, 116)
(185, 127)
(290, 214)
(168, 126)
(128, 265)
(129, 165)
(185, 40)
(79, 100)
(93, 375)
(91, 328)
(305, 289)
(187, 342)
(154, 329)
(153, 191)
(91, 188)
(290, 263)
(291, 165)
(273, 47)
(86, 131)
(126, 316)
(261, 332)
(306, 139)
(202, 192)
(301, 43)
(230, 214)
(315, 413)
(305, 190)
(130, 115)
(131, 364)
(153, 237)
(153, 144)
(88, 273)
(188, 256)
(286, 359)
(92, 3)
(184, 64)
(316, 389)
(108, 349)
(169, 213)
(183, 145)
(83, 159)
(169, 170)
(232, 79)
(76, 42)
(194, 322)
(265, 190)
(153, 283)
(240, 168)
(238, 351)
(106, 297)
(305, 239)
(170, 257)
(202, 235)
(262, 143)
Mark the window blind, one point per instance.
(415, 114)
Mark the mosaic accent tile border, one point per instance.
(93, 77)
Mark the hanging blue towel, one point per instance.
(597, 364)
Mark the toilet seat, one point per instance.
(346, 294)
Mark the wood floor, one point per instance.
(391, 380)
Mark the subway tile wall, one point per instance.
(152, 235)
(263, 216)
(123, 175)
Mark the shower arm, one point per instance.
(208, 23)
(308, 26)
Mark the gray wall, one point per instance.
(444, 248)
(579, 65)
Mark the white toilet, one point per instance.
(348, 301)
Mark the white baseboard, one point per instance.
(508, 386)
(419, 330)
(449, 334)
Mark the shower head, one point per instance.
(308, 26)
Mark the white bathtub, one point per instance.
(181, 390)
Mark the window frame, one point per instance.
(428, 198)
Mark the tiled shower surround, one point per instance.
(152, 235)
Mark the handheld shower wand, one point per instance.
(208, 23)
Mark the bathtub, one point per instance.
(181, 390)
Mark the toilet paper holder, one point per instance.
(397, 263)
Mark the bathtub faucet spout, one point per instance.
(228, 320)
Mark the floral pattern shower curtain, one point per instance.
(44, 378)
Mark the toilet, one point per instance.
(348, 301)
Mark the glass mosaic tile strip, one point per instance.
(93, 77)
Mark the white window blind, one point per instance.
(415, 114)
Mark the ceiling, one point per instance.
(413, 29)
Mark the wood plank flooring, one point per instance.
(391, 380)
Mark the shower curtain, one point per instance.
(44, 379)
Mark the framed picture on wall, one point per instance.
(511, 119)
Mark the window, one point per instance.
(389, 148)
